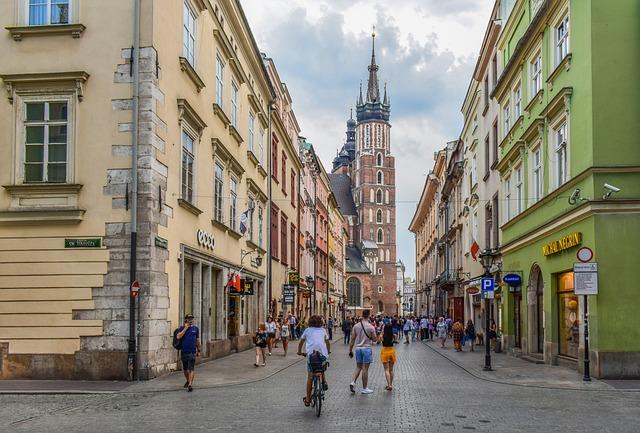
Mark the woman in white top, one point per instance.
(285, 333)
(271, 332)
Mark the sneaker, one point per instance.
(325, 386)
(190, 388)
(264, 364)
(352, 387)
(269, 353)
(186, 384)
(366, 391)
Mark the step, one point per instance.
(535, 358)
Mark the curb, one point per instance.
(523, 385)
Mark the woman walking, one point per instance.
(260, 341)
(271, 332)
(285, 335)
(457, 330)
(406, 328)
(388, 355)
(470, 333)
(493, 334)
(441, 330)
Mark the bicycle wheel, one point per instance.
(318, 397)
(314, 397)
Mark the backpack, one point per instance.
(316, 362)
(177, 342)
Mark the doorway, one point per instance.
(517, 320)
(535, 298)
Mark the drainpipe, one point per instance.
(270, 203)
(132, 355)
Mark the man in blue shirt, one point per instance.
(189, 335)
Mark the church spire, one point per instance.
(360, 101)
(385, 101)
(373, 89)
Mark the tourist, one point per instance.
(347, 325)
(388, 355)
(189, 336)
(470, 334)
(457, 330)
(271, 332)
(364, 335)
(441, 331)
(260, 340)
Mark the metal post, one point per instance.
(586, 377)
(487, 347)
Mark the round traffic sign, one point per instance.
(585, 254)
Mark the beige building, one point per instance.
(68, 194)
(338, 239)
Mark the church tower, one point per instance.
(366, 157)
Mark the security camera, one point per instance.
(609, 189)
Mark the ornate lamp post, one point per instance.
(486, 258)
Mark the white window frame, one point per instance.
(48, 5)
(381, 219)
(537, 174)
(233, 203)
(260, 224)
(535, 69)
(219, 80)
(474, 171)
(506, 118)
(507, 198)
(234, 104)
(251, 126)
(218, 192)
(380, 160)
(519, 189)
(261, 146)
(560, 152)
(561, 40)
(189, 33)
(188, 183)
(517, 101)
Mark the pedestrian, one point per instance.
(457, 330)
(317, 349)
(278, 330)
(285, 335)
(271, 332)
(493, 334)
(424, 328)
(406, 328)
(292, 326)
(189, 337)
(470, 333)
(330, 327)
(347, 325)
(388, 354)
(364, 335)
(414, 328)
(396, 326)
(441, 331)
(260, 340)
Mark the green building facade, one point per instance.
(569, 123)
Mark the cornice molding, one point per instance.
(187, 68)
(23, 82)
(20, 32)
(188, 113)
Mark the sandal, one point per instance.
(306, 403)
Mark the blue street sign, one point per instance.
(488, 286)
(512, 279)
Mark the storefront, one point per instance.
(569, 317)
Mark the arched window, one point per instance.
(379, 161)
(386, 197)
(371, 196)
(380, 177)
(388, 258)
(354, 292)
(379, 216)
(379, 196)
(380, 307)
(380, 236)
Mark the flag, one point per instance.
(234, 284)
(244, 221)
(475, 249)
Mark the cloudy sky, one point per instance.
(426, 50)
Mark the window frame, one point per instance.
(218, 192)
(535, 73)
(506, 118)
(561, 125)
(517, 101)
(251, 128)
(185, 130)
(220, 67)
(561, 44)
(48, 4)
(519, 188)
(380, 236)
(235, 90)
(190, 56)
(380, 177)
(233, 202)
(537, 174)
(507, 197)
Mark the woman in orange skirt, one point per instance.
(388, 355)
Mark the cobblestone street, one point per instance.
(432, 394)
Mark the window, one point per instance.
(45, 12)
(474, 225)
(367, 136)
(379, 196)
(274, 158)
(506, 117)
(379, 216)
(494, 71)
(488, 225)
(562, 40)
(188, 34)
(219, 80)
(252, 120)
(380, 238)
(233, 203)
(507, 198)
(380, 178)
(260, 222)
(218, 199)
(293, 188)
(519, 190)
(46, 141)
(379, 136)
(274, 232)
(494, 132)
(261, 146)
(379, 291)
(517, 102)
(284, 173)
(487, 156)
(283, 240)
(252, 206)
(474, 171)
(379, 160)
(234, 105)
(354, 292)
(293, 246)
(496, 220)
(536, 75)
(187, 166)
(379, 271)
(486, 92)
(536, 174)
(560, 155)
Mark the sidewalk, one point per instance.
(510, 370)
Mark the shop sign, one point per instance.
(294, 278)
(562, 244)
(205, 239)
(83, 243)
(288, 293)
(512, 279)
(472, 290)
(161, 243)
(247, 287)
(585, 278)
(488, 288)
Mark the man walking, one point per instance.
(189, 335)
(364, 335)
(330, 328)
(347, 325)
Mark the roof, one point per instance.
(355, 261)
(369, 245)
(341, 187)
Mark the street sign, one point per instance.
(294, 278)
(83, 243)
(585, 278)
(472, 290)
(288, 294)
(585, 254)
(247, 287)
(488, 286)
(135, 289)
(512, 279)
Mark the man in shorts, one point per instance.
(317, 344)
(189, 334)
(363, 336)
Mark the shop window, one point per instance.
(568, 317)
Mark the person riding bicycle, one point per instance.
(317, 349)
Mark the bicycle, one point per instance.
(317, 389)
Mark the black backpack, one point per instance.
(177, 342)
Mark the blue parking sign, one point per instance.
(488, 286)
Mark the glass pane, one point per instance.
(59, 11)
(37, 12)
(57, 172)
(569, 325)
(34, 153)
(57, 111)
(33, 172)
(35, 111)
(35, 134)
(58, 134)
(187, 142)
(57, 153)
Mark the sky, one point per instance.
(426, 50)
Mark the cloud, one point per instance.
(322, 50)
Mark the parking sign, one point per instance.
(488, 286)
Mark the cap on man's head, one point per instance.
(188, 316)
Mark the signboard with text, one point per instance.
(585, 278)
(288, 294)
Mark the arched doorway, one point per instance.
(354, 292)
(535, 301)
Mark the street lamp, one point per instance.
(486, 258)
